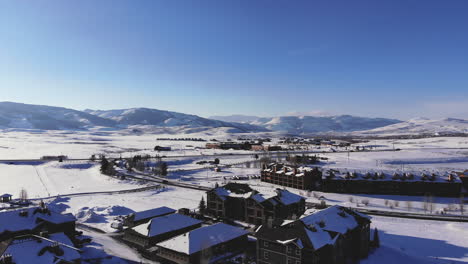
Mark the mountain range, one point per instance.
(27, 116)
(312, 124)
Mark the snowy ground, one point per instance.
(403, 241)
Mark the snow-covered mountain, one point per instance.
(26, 116)
(421, 126)
(17, 115)
(318, 124)
(160, 118)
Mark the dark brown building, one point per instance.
(396, 182)
(240, 202)
(303, 178)
(209, 244)
(335, 235)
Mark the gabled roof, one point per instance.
(151, 213)
(334, 219)
(164, 224)
(203, 238)
(314, 231)
(13, 221)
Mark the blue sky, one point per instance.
(372, 58)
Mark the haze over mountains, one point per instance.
(26, 116)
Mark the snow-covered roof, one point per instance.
(152, 213)
(27, 219)
(164, 224)
(392, 175)
(331, 219)
(26, 251)
(286, 197)
(6, 195)
(203, 238)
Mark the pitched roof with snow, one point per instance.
(30, 218)
(164, 224)
(151, 213)
(316, 230)
(203, 238)
(27, 250)
(333, 219)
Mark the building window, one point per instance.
(290, 261)
(265, 243)
(298, 252)
(266, 254)
(298, 262)
(289, 249)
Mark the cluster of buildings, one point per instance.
(38, 235)
(169, 236)
(240, 225)
(368, 182)
(264, 228)
(256, 146)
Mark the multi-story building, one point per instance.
(367, 182)
(335, 235)
(240, 202)
(304, 178)
(159, 229)
(392, 182)
(208, 244)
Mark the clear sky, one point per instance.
(386, 58)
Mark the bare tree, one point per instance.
(409, 205)
(23, 195)
(462, 204)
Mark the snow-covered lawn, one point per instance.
(419, 241)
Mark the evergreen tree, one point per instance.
(376, 239)
(163, 168)
(104, 165)
(202, 206)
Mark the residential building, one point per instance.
(392, 182)
(240, 202)
(159, 229)
(303, 178)
(335, 235)
(55, 248)
(142, 217)
(5, 198)
(34, 220)
(208, 244)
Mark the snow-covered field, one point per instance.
(403, 241)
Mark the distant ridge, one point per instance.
(313, 124)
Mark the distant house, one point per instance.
(257, 147)
(159, 229)
(5, 198)
(55, 248)
(209, 244)
(160, 148)
(34, 220)
(240, 202)
(335, 235)
(138, 218)
(272, 148)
